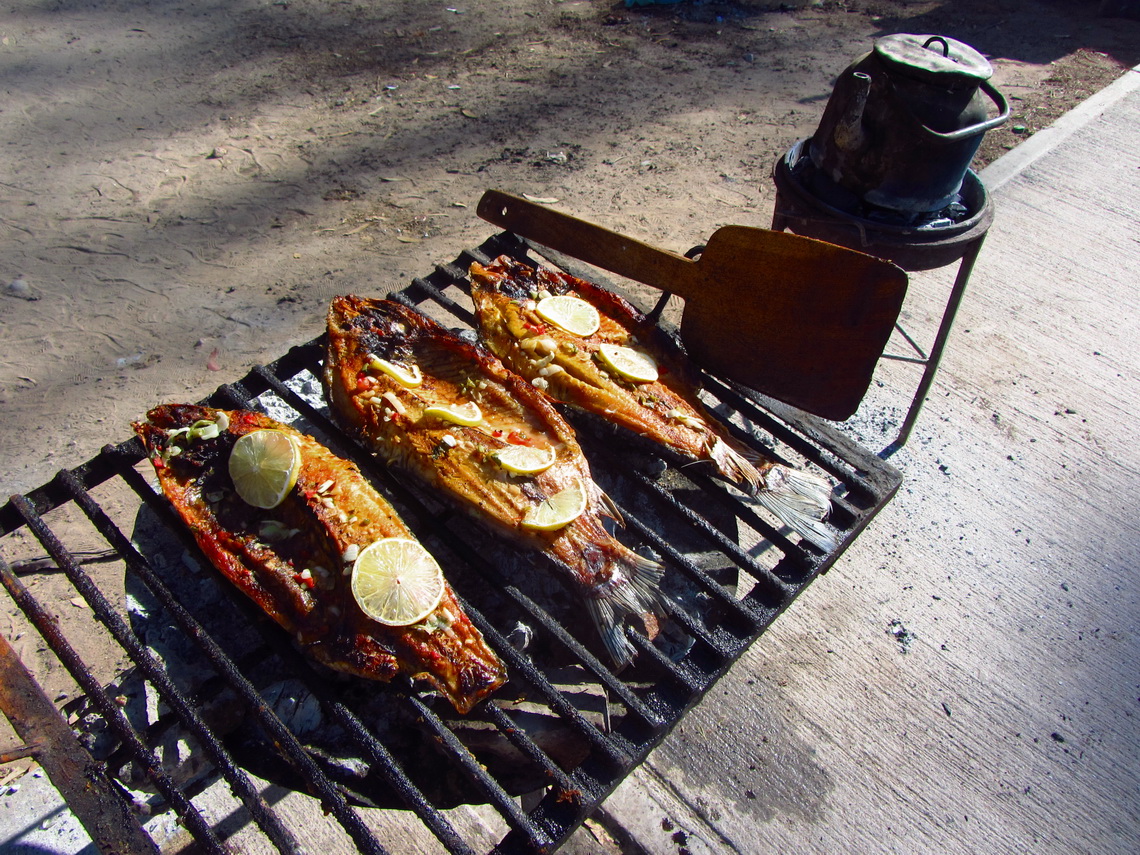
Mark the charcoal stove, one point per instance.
(249, 704)
(887, 169)
(809, 203)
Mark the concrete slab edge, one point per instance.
(1045, 140)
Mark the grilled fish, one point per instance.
(294, 560)
(448, 411)
(574, 369)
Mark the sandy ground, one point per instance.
(186, 186)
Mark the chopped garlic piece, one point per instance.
(394, 402)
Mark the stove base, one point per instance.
(923, 247)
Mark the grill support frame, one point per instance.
(649, 713)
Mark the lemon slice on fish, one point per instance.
(396, 582)
(264, 466)
(629, 363)
(572, 314)
(405, 375)
(461, 414)
(524, 460)
(558, 510)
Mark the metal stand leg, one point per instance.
(796, 209)
(935, 356)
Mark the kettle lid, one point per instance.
(934, 59)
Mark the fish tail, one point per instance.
(801, 501)
(633, 589)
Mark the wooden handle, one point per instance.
(590, 243)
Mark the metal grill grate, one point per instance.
(730, 571)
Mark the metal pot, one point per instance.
(904, 122)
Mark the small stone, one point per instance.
(19, 287)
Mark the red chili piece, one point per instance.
(516, 438)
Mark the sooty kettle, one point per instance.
(905, 120)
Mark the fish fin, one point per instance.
(734, 465)
(632, 590)
(801, 501)
(611, 509)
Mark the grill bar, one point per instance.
(738, 609)
(458, 753)
(371, 747)
(698, 542)
(494, 713)
(773, 589)
(157, 675)
(48, 628)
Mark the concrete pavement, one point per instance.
(966, 678)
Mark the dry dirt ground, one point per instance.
(185, 185)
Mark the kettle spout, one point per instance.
(849, 135)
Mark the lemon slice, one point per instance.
(396, 582)
(629, 363)
(461, 414)
(572, 314)
(558, 510)
(524, 460)
(405, 375)
(264, 466)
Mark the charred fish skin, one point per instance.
(293, 561)
(506, 294)
(395, 413)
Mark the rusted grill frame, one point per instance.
(868, 481)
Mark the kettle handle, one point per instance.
(981, 127)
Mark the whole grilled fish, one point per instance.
(294, 560)
(573, 369)
(446, 410)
